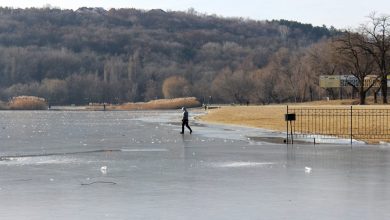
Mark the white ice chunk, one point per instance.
(308, 169)
(103, 169)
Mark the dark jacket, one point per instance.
(185, 116)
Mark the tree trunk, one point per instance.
(384, 89)
(311, 93)
(376, 95)
(362, 96)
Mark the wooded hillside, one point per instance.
(122, 55)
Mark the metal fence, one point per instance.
(361, 123)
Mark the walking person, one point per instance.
(185, 121)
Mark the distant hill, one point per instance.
(121, 55)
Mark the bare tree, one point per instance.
(358, 61)
(321, 61)
(175, 87)
(264, 84)
(54, 90)
(376, 42)
(233, 86)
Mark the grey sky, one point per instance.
(338, 13)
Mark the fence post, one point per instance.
(287, 127)
(351, 126)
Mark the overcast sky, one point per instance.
(337, 13)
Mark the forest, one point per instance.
(92, 55)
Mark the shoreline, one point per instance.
(271, 118)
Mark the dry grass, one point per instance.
(269, 117)
(27, 103)
(159, 104)
(369, 101)
(272, 117)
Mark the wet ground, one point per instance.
(136, 165)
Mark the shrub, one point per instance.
(175, 86)
(27, 103)
(161, 104)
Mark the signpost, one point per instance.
(337, 81)
(330, 81)
(388, 80)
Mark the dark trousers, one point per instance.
(185, 122)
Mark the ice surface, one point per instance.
(136, 165)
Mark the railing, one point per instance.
(362, 123)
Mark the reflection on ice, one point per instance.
(240, 164)
(21, 161)
(99, 182)
(145, 150)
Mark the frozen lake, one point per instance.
(136, 165)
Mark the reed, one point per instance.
(27, 103)
(175, 103)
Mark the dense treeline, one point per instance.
(121, 55)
